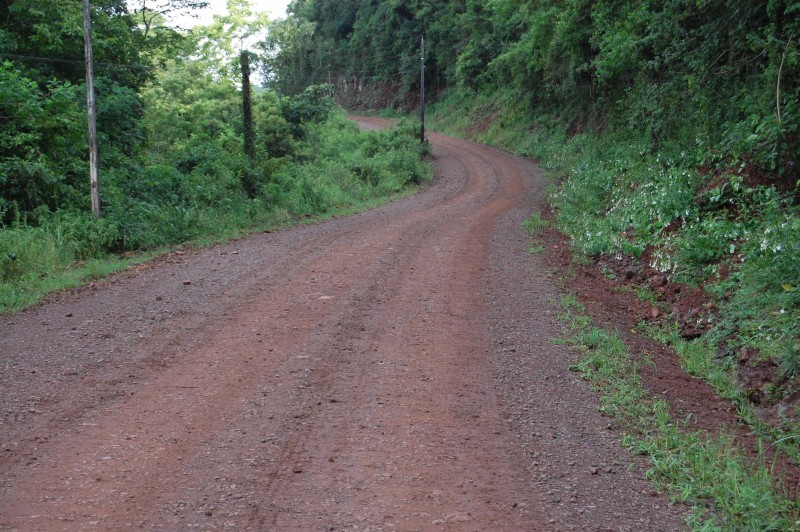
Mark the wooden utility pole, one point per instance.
(247, 108)
(249, 182)
(422, 90)
(93, 163)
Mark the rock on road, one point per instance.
(391, 370)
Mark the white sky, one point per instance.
(276, 9)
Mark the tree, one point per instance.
(219, 44)
(46, 36)
(42, 134)
(160, 39)
(292, 56)
(150, 13)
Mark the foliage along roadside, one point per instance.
(170, 124)
(337, 169)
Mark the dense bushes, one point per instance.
(738, 238)
(349, 167)
(39, 130)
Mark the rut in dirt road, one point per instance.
(387, 371)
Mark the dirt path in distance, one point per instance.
(386, 371)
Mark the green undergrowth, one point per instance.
(534, 225)
(339, 170)
(726, 489)
(739, 240)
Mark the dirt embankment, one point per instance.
(391, 370)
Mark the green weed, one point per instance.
(536, 249)
(535, 223)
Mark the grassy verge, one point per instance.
(726, 489)
(699, 359)
(342, 171)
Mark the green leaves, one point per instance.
(40, 129)
(313, 105)
(218, 45)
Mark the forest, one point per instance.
(718, 76)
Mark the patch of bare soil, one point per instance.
(387, 371)
(482, 126)
(621, 310)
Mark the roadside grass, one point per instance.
(534, 224)
(346, 171)
(29, 289)
(699, 359)
(725, 489)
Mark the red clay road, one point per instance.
(392, 370)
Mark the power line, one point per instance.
(140, 66)
(70, 61)
(146, 67)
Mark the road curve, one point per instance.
(386, 371)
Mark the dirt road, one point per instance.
(387, 371)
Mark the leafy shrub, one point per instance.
(273, 132)
(26, 251)
(81, 235)
(615, 200)
(312, 106)
(39, 132)
(349, 166)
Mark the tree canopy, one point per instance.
(722, 73)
